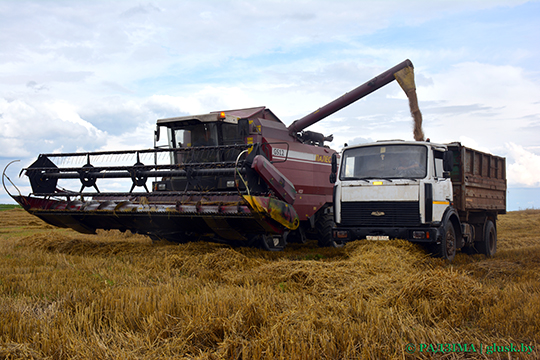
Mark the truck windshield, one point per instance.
(384, 162)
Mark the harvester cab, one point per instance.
(239, 176)
(209, 140)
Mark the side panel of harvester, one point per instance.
(306, 166)
(309, 171)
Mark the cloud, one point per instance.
(35, 86)
(523, 166)
(96, 75)
(488, 84)
(492, 103)
(359, 140)
(29, 127)
(140, 10)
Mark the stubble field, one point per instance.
(65, 295)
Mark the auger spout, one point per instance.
(348, 98)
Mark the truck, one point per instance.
(237, 176)
(444, 196)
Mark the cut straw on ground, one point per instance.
(65, 295)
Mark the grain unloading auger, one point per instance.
(239, 176)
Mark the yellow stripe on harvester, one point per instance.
(441, 202)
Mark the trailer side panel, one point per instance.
(479, 180)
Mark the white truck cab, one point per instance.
(404, 190)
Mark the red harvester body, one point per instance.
(239, 176)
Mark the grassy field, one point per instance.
(65, 295)
(8, 207)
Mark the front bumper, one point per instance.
(413, 234)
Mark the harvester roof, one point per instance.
(228, 116)
(203, 118)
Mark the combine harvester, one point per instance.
(237, 176)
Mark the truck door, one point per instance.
(441, 187)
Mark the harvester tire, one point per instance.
(324, 226)
(270, 243)
(297, 236)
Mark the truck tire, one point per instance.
(324, 227)
(488, 246)
(447, 248)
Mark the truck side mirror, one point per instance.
(334, 163)
(333, 174)
(448, 161)
(333, 178)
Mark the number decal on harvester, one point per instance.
(303, 157)
(278, 152)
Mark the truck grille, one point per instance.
(380, 213)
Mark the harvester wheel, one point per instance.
(271, 243)
(324, 226)
(297, 236)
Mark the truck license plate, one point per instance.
(377, 237)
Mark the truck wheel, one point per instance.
(488, 246)
(324, 227)
(447, 248)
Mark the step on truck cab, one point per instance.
(445, 196)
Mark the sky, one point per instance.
(96, 75)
